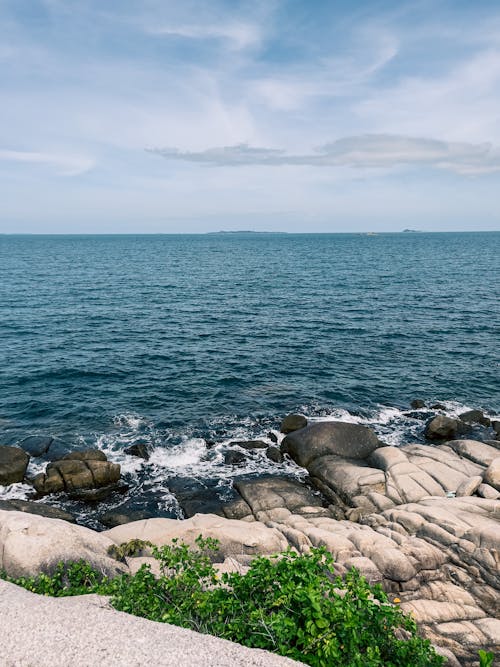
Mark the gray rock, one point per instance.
(233, 458)
(469, 486)
(140, 450)
(442, 428)
(36, 445)
(417, 404)
(40, 509)
(13, 464)
(474, 417)
(85, 455)
(99, 494)
(495, 425)
(488, 492)
(274, 454)
(118, 517)
(327, 438)
(249, 444)
(293, 423)
(272, 437)
(438, 406)
(71, 474)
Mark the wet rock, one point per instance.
(329, 438)
(274, 454)
(293, 423)
(99, 494)
(417, 404)
(438, 406)
(234, 458)
(85, 455)
(495, 425)
(196, 497)
(249, 444)
(13, 464)
(139, 449)
(492, 474)
(79, 470)
(36, 445)
(474, 417)
(33, 544)
(272, 437)
(36, 508)
(442, 428)
(119, 517)
(238, 509)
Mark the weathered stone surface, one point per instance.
(249, 444)
(36, 445)
(236, 538)
(32, 544)
(417, 404)
(234, 458)
(487, 491)
(140, 450)
(13, 464)
(85, 455)
(492, 474)
(36, 508)
(269, 493)
(474, 450)
(329, 438)
(293, 423)
(274, 454)
(72, 474)
(469, 486)
(442, 427)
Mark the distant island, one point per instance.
(244, 231)
(411, 231)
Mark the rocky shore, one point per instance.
(422, 519)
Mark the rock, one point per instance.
(274, 454)
(327, 438)
(249, 444)
(495, 425)
(33, 544)
(233, 458)
(36, 445)
(417, 404)
(140, 450)
(236, 538)
(13, 464)
(474, 417)
(85, 455)
(71, 474)
(99, 494)
(237, 509)
(442, 428)
(44, 446)
(469, 486)
(487, 491)
(270, 493)
(492, 474)
(293, 423)
(438, 406)
(195, 496)
(40, 509)
(118, 517)
(475, 451)
(272, 437)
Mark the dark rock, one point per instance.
(237, 509)
(210, 443)
(85, 455)
(36, 445)
(139, 450)
(71, 474)
(36, 508)
(326, 438)
(417, 404)
(474, 417)
(272, 437)
(442, 427)
(233, 458)
(293, 423)
(274, 454)
(119, 516)
(99, 494)
(13, 464)
(438, 406)
(420, 415)
(495, 425)
(196, 497)
(249, 444)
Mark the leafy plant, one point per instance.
(291, 604)
(486, 659)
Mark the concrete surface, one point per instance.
(37, 631)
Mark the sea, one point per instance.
(187, 343)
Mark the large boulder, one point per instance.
(474, 417)
(442, 427)
(236, 538)
(329, 438)
(293, 423)
(79, 470)
(492, 474)
(13, 464)
(44, 446)
(31, 544)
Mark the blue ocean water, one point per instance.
(169, 338)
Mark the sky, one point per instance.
(162, 116)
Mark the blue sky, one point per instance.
(299, 115)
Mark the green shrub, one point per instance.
(486, 659)
(291, 604)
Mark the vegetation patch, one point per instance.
(291, 604)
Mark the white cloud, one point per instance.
(65, 165)
(237, 35)
(365, 151)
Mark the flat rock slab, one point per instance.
(37, 631)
